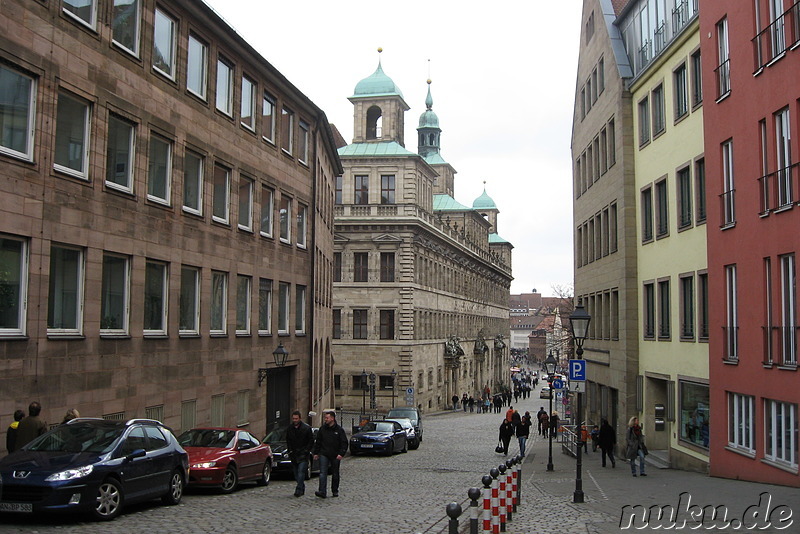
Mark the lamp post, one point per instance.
(579, 323)
(280, 355)
(550, 367)
(394, 385)
(363, 393)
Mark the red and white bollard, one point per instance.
(503, 494)
(518, 496)
(495, 500)
(509, 491)
(487, 503)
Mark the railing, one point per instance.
(723, 75)
(728, 207)
(769, 344)
(660, 37)
(771, 42)
(730, 341)
(777, 188)
(788, 344)
(569, 440)
(680, 16)
(645, 54)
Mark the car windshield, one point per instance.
(207, 437)
(378, 427)
(410, 414)
(77, 438)
(276, 435)
(405, 422)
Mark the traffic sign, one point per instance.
(409, 391)
(577, 370)
(579, 386)
(558, 384)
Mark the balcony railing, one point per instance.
(723, 75)
(788, 345)
(777, 188)
(730, 340)
(680, 16)
(660, 37)
(728, 212)
(771, 42)
(645, 54)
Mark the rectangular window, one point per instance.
(193, 168)
(687, 307)
(387, 189)
(612, 228)
(155, 298)
(114, 295)
(219, 203)
(360, 267)
(697, 79)
(219, 302)
(694, 413)
(359, 324)
(159, 170)
(242, 407)
(662, 209)
(603, 151)
(783, 143)
(302, 225)
(664, 310)
(125, 24)
(17, 112)
(243, 289)
(387, 324)
(268, 118)
(188, 414)
(189, 304)
(728, 188)
(300, 310)
(659, 114)
(777, 28)
(197, 67)
(702, 306)
(65, 291)
(267, 209)
(700, 189)
(337, 266)
(287, 130)
(741, 422)
(780, 432)
(612, 143)
(337, 324)
(387, 266)
(723, 57)
(361, 189)
(644, 121)
(647, 214)
(681, 91)
(264, 306)
(684, 198)
(164, 44)
(224, 87)
(788, 310)
(218, 410)
(72, 136)
(245, 204)
(649, 311)
(83, 10)
(248, 106)
(302, 149)
(769, 342)
(731, 349)
(337, 198)
(119, 154)
(283, 308)
(285, 214)
(13, 286)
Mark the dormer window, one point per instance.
(374, 122)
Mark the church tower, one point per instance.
(428, 145)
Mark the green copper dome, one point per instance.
(484, 202)
(378, 84)
(429, 119)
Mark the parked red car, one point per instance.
(226, 456)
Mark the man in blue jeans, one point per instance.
(299, 441)
(330, 447)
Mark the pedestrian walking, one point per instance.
(545, 419)
(516, 419)
(523, 431)
(71, 414)
(30, 427)
(506, 431)
(299, 442)
(464, 401)
(635, 447)
(11, 433)
(540, 426)
(329, 448)
(471, 404)
(487, 405)
(455, 402)
(595, 435)
(510, 414)
(585, 438)
(606, 439)
(554, 424)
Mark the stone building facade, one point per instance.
(421, 282)
(166, 219)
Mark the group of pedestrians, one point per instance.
(24, 429)
(328, 448)
(514, 425)
(486, 402)
(547, 424)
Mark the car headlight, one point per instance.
(69, 474)
(203, 465)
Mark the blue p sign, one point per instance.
(577, 370)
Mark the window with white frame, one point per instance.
(155, 298)
(219, 202)
(224, 87)
(17, 112)
(741, 422)
(189, 304)
(723, 58)
(114, 293)
(777, 27)
(302, 141)
(197, 67)
(268, 118)
(219, 302)
(267, 210)
(83, 10)
(784, 157)
(283, 308)
(193, 168)
(245, 203)
(788, 309)
(300, 310)
(302, 225)
(119, 154)
(243, 289)
(287, 130)
(248, 107)
(731, 352)
(65, 291)
(13, 286)
(125, 17)
(285, 218)
(159, 170)
(780, 432)
(728, 185)
(164, 30)
(264, 306)
(72, 136)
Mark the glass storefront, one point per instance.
(694, 413)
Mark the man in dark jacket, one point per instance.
(330, 447)
(299, 441)
(11, 433)
(30, 427)
(606, 440)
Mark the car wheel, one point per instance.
(175, 493)
(414, 445)
(108, 503)
(266, 473)
(230, 479)
(405, 446)
(390, 448)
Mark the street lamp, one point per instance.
(363, 393)
(394, 385)
(550, 366)
(579, 323)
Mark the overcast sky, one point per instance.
(503, 87)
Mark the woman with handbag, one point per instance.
(635, 447)
(506, 432)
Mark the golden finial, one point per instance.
(380, 49)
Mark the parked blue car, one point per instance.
(94, 466)
(385, 437)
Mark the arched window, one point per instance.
(374, 122)
(421, 139)
(433, 139)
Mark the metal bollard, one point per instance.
(474, 494)
(453, 511)
(509, 492)
(495, 500)
(487, 503)
(519, 481)
(503, 491)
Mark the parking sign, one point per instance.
(577, 370)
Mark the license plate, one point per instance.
(16, 507)
(366, 445)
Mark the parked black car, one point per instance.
(280, 459)
(94, 466)
(386, 437)
(410, 412)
